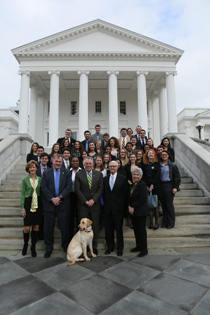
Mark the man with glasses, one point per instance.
(115, 204)
(89, 187)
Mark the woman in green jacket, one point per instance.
(31, 206)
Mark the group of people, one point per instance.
(101, 178)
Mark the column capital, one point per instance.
(83, 72)
(142, 72)
(28, 73)
(171, 73)
(113, 72)
(50, 72)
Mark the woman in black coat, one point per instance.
(170, 182)
(151, 176)
(139, 210)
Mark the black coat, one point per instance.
(138, 200)
(115, 200)
(155, 180)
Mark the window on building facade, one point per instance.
(73, 108)
(98, 107)
(48, 107)
(123, 108)
(48, 138)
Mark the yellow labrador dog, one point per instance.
(79, 242)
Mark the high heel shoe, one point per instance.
(156, 227)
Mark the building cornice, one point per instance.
(36, 48)
(95, 56)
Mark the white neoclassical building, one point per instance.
(189, 120)
(96, 73)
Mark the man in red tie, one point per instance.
(44, 158)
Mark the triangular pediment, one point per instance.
(97, 37)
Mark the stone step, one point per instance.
(180, 210)
(186, 180)
(10, 203)
(10, 195)
(189, 186)
(11, 181)
(175, 242)
(19, 167)
(15, 176)
(20, 171)
(17, 244)
(178, 231)
(11, 188)
(9, 212)
(192, 219)
(160, 243)
(192, 200)
(192, 209)
(17, 221)
(190, 193)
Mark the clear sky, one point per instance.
(184, 24)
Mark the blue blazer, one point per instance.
(48, 189)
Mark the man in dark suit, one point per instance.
(66, 159)
(89, 187)
(115, 201)
(140, 137)
(85, 142)
(43, 165)
(104, 141)
(67, 136)
(56, 186)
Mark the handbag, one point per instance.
(152, 200)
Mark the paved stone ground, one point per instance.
(165, 282)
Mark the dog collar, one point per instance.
(85, 231)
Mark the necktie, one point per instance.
(67, 164)
(57, 180)
(112, 182)
(123, 143)
(45, 168)
(89, 180)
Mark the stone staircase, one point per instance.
(192, 217)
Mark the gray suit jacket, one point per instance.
(84, 193)
(94, 137)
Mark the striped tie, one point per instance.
(123, 143)
(89, 180)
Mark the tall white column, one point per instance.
(113, 103)
(156, 120)
(40, 120)
(150, 132)
(24, 101)
(54, 107)
(163, 112)
(83, 103)
(33, 113)
(171, 102)
(142, 99)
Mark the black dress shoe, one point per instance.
(95, 251)
(170, 226)
(156, 227)
(142, 254)
(135, 249)
(151, 227)
(47, 254)
(119, 253)
(108, 251)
